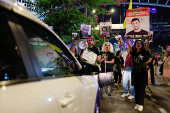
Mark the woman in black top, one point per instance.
(118, 65)
(139, 70)
(74, 52)
(106, 58)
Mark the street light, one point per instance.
(94, 11)
(112, 10)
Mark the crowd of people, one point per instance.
(136, 65)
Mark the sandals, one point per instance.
(163, 83)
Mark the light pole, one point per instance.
(112, 10)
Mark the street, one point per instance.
(118, 104)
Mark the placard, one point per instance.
(137, 23)
(85, 31)
(89, 56)
(105, 29)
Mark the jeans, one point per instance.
(126, 78)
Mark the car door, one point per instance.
(20, 89)
(74, 93)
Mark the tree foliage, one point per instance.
(65, 17)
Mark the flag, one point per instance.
(130, 7)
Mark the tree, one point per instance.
(65, 17)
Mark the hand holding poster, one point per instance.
(137, 23)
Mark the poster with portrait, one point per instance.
(137, 23)
(85, 31)
(119, 39)
(74, 36)
(105, 29)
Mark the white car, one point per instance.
(38, 73)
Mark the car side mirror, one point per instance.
(89, 68)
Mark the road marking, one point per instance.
(162, 110)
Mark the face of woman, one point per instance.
(120, 54)
(107, 46)
(73, 49)
(138, 44)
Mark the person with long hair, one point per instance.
(106, 58)
(74, 52)
(117, 68)
(166, 69)
(139, 70)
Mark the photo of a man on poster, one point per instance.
(85, 31)
(137, 23)
(136, 28)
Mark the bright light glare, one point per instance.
(94, 11)
(20, 8)
(49, 99)
(112, 10)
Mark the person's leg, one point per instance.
(156, 70)
(141, 94)
(149, 79)
(152, 75)
(164, 81)
(131, 87)
(120, 77)
(116, 77)
(125, 82)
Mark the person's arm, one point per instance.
(150, 59)
(147, 43)
(111, 62)
(101, 60)
(128, 42)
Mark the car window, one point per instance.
(11, 63)
(53, 57)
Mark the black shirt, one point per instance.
(133, 34)
(109, 57)
(140, 57)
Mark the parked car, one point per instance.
(38, 73)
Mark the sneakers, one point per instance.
(140, 108)
(136, 107)
(124, 95)
(116, 83)
(131, 97)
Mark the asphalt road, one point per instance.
(118, 104)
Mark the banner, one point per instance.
(157, 56)
(137, 23)
(168, 48)
(85, 31)
(105, 29)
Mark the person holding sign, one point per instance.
(106, 58)
(136, 28)
(139, 70)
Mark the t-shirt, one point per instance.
(109, 57)
(137, 34)
(140, 57)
